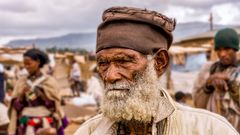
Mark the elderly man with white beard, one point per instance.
(132, 54)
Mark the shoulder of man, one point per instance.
(205, 70)
(90, 125)
(201, 121)
(208, 65)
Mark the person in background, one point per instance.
(35, 105)
(218, 84)
(21, 71)
(75, 76)
(4, 120)
(50, 70)
(180, 97)
(94, 86)
(2, 90)
(132, 54)
(10, 80)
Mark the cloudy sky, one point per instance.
(44, 18)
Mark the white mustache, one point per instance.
(117, 85)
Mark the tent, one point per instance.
(9, 61)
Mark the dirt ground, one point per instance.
(70, 130)
(77, 115)
(74, 113)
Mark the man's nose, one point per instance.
(112, 74)
(222, 53)
(26, 67)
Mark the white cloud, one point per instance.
(18, 6)
(187, 14)
(228, 13)
(203, 4)
(180, 13)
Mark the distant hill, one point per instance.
(88, 40)
(76, 40)
(188, 29)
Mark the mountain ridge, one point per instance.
(88, 40)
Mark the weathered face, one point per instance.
(227, 56)
(118, 64)
(130, 85)
(31, 65)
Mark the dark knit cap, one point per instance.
(226, 38)
(138, 29)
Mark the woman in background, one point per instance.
(36, 103)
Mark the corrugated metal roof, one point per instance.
(209, 34)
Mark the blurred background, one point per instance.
(66, 30)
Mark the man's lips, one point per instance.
(224, 60)
(119, 89)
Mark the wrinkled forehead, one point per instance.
(119, 52)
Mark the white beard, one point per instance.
(140, 103)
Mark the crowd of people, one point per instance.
(132, 55)
(30, 95)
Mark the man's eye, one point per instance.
(123, 61)
(102, 63)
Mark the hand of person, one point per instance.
(219, 84)
(26, 89)
(47, 131)
(218, 81)
(23, 91)
(39, 92)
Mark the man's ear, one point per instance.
(161, 61)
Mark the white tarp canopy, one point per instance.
(187, 50)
